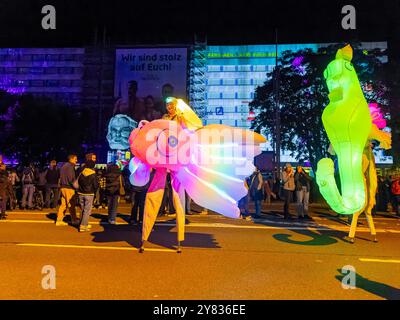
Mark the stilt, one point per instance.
(371, 225)
(179, 247)
(141, 250)
(353, 226)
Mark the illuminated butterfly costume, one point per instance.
(209, 162)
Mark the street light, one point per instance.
(277, 140)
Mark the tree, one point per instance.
(303, 94)
(43, 129)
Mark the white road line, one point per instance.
(193, 215)
(90, 247)
(26, 221)
(233, 226)
(379, 260)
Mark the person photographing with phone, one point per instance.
(288, 188)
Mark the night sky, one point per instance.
(176, 22)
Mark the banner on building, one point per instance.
(145, 77)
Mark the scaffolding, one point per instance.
(198, 77)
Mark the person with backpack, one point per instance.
(256, 190)
(303, 186)
(5, 187)
(67, 190)
(52, 185)
(88, 185)
(28, 186)
(102, 190)
(114, 184)
(395, 190)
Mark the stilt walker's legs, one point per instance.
(371, 225)
(353, 227)
(179, 203)
(152, 204)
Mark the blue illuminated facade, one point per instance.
(52, 72)
(234, 72)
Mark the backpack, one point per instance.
(253, 185)
(396, 187)
(27, 176)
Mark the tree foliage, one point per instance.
(303, 94)
(41, 129)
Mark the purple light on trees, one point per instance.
(297, 61)
(10, 86)
(377, 116)
(297, 64)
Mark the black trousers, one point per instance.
(167, 202)
(52, 202)
(139, 200)
(288, 194)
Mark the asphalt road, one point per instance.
(221, 259)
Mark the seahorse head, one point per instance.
(340, 76)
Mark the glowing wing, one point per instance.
(222, 159)
(190, 119)
(140, 172)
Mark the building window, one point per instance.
(38, 57)
(66, 70)
(36, 70)
(51, 83)
(65, 83)
(51, 70)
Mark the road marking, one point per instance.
(197, 215)
(25, 221)
(394, 231)
(90, 247)
(379, 260)
(233, 226)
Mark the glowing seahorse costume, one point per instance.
(349, 126)
(209, 162)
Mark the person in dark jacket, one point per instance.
(303, 185)
(256, 189)
(68, 196)
(52, 185)
(381, 195)
(5, 187)
(138, 200)
(88, 185)
(28, 186)
(113, 187)
(40, 185)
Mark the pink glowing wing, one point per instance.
(140, 172)
(376, 115)
(215, 176)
